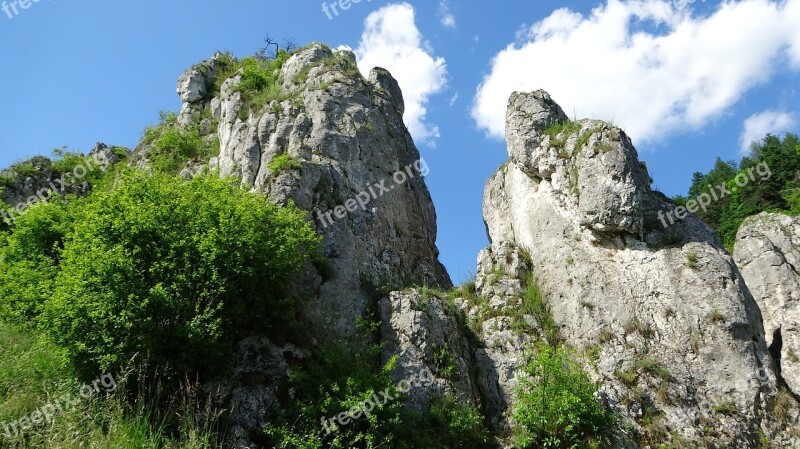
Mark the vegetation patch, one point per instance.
(560, 132)
(556, 405)
(283, 163)
(339, 379)
(767, 182)
(171, 270)
(172, 145)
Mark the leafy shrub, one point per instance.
(282, 163)
(340, 378)
(67, 161)
(261, 84)
(171, 145)
(29, 261)
(154, 265)
(556, 406)
(334, 383)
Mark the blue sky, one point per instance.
(688, 80)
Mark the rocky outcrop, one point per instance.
(676, 334)
(767, 252)
(333, 143)
(38, 179)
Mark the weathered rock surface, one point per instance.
(334, 143)
(36, 180)
(767, 252)
(623, 285)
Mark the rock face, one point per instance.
(626, 284)
(334, 144)
(767, 252)
(36, 179)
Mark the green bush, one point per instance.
(334, 382)
(340, 378)
(556, 405)
(171, 145)
(172, 270)
(29, 261)
(282, 163)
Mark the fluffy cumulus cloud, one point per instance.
(653, 67)
(768, 122)
(391, 40)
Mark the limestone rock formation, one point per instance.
(767, 252)
(334, 144)
(676, 333)
(36, 179)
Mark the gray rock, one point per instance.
(339, 137)
(36, 180)
(767, 252)
(622, 285)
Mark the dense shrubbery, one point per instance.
(171, 145)
(154, 265)
(780, 192)
(339, 379)
(556, 407)
(261, 83)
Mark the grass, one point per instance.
(605, 147)
(716, 316)
(584, 138)
(727, 408)
(691, 259)
(646, 365)
(652, 367)
(560, 132)
(172, 145)
(33, 374)
(784, 404)
(694, 343)
(533, 304)
(635, 325)
(606, 335)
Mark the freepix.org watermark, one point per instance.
(715, 193)
(15, 6)
(374, 191)
(332, 9)
(45, 193)
(47, 413)
(423, 379)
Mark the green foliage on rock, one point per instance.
(172, 270)
(261, 83)
(556, 406)
(341, 378)
(282, 163)
(172, 145)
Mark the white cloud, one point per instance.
(453, 99)
(445, 15)
(391, 40)
(767, 122)
(652, 66)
